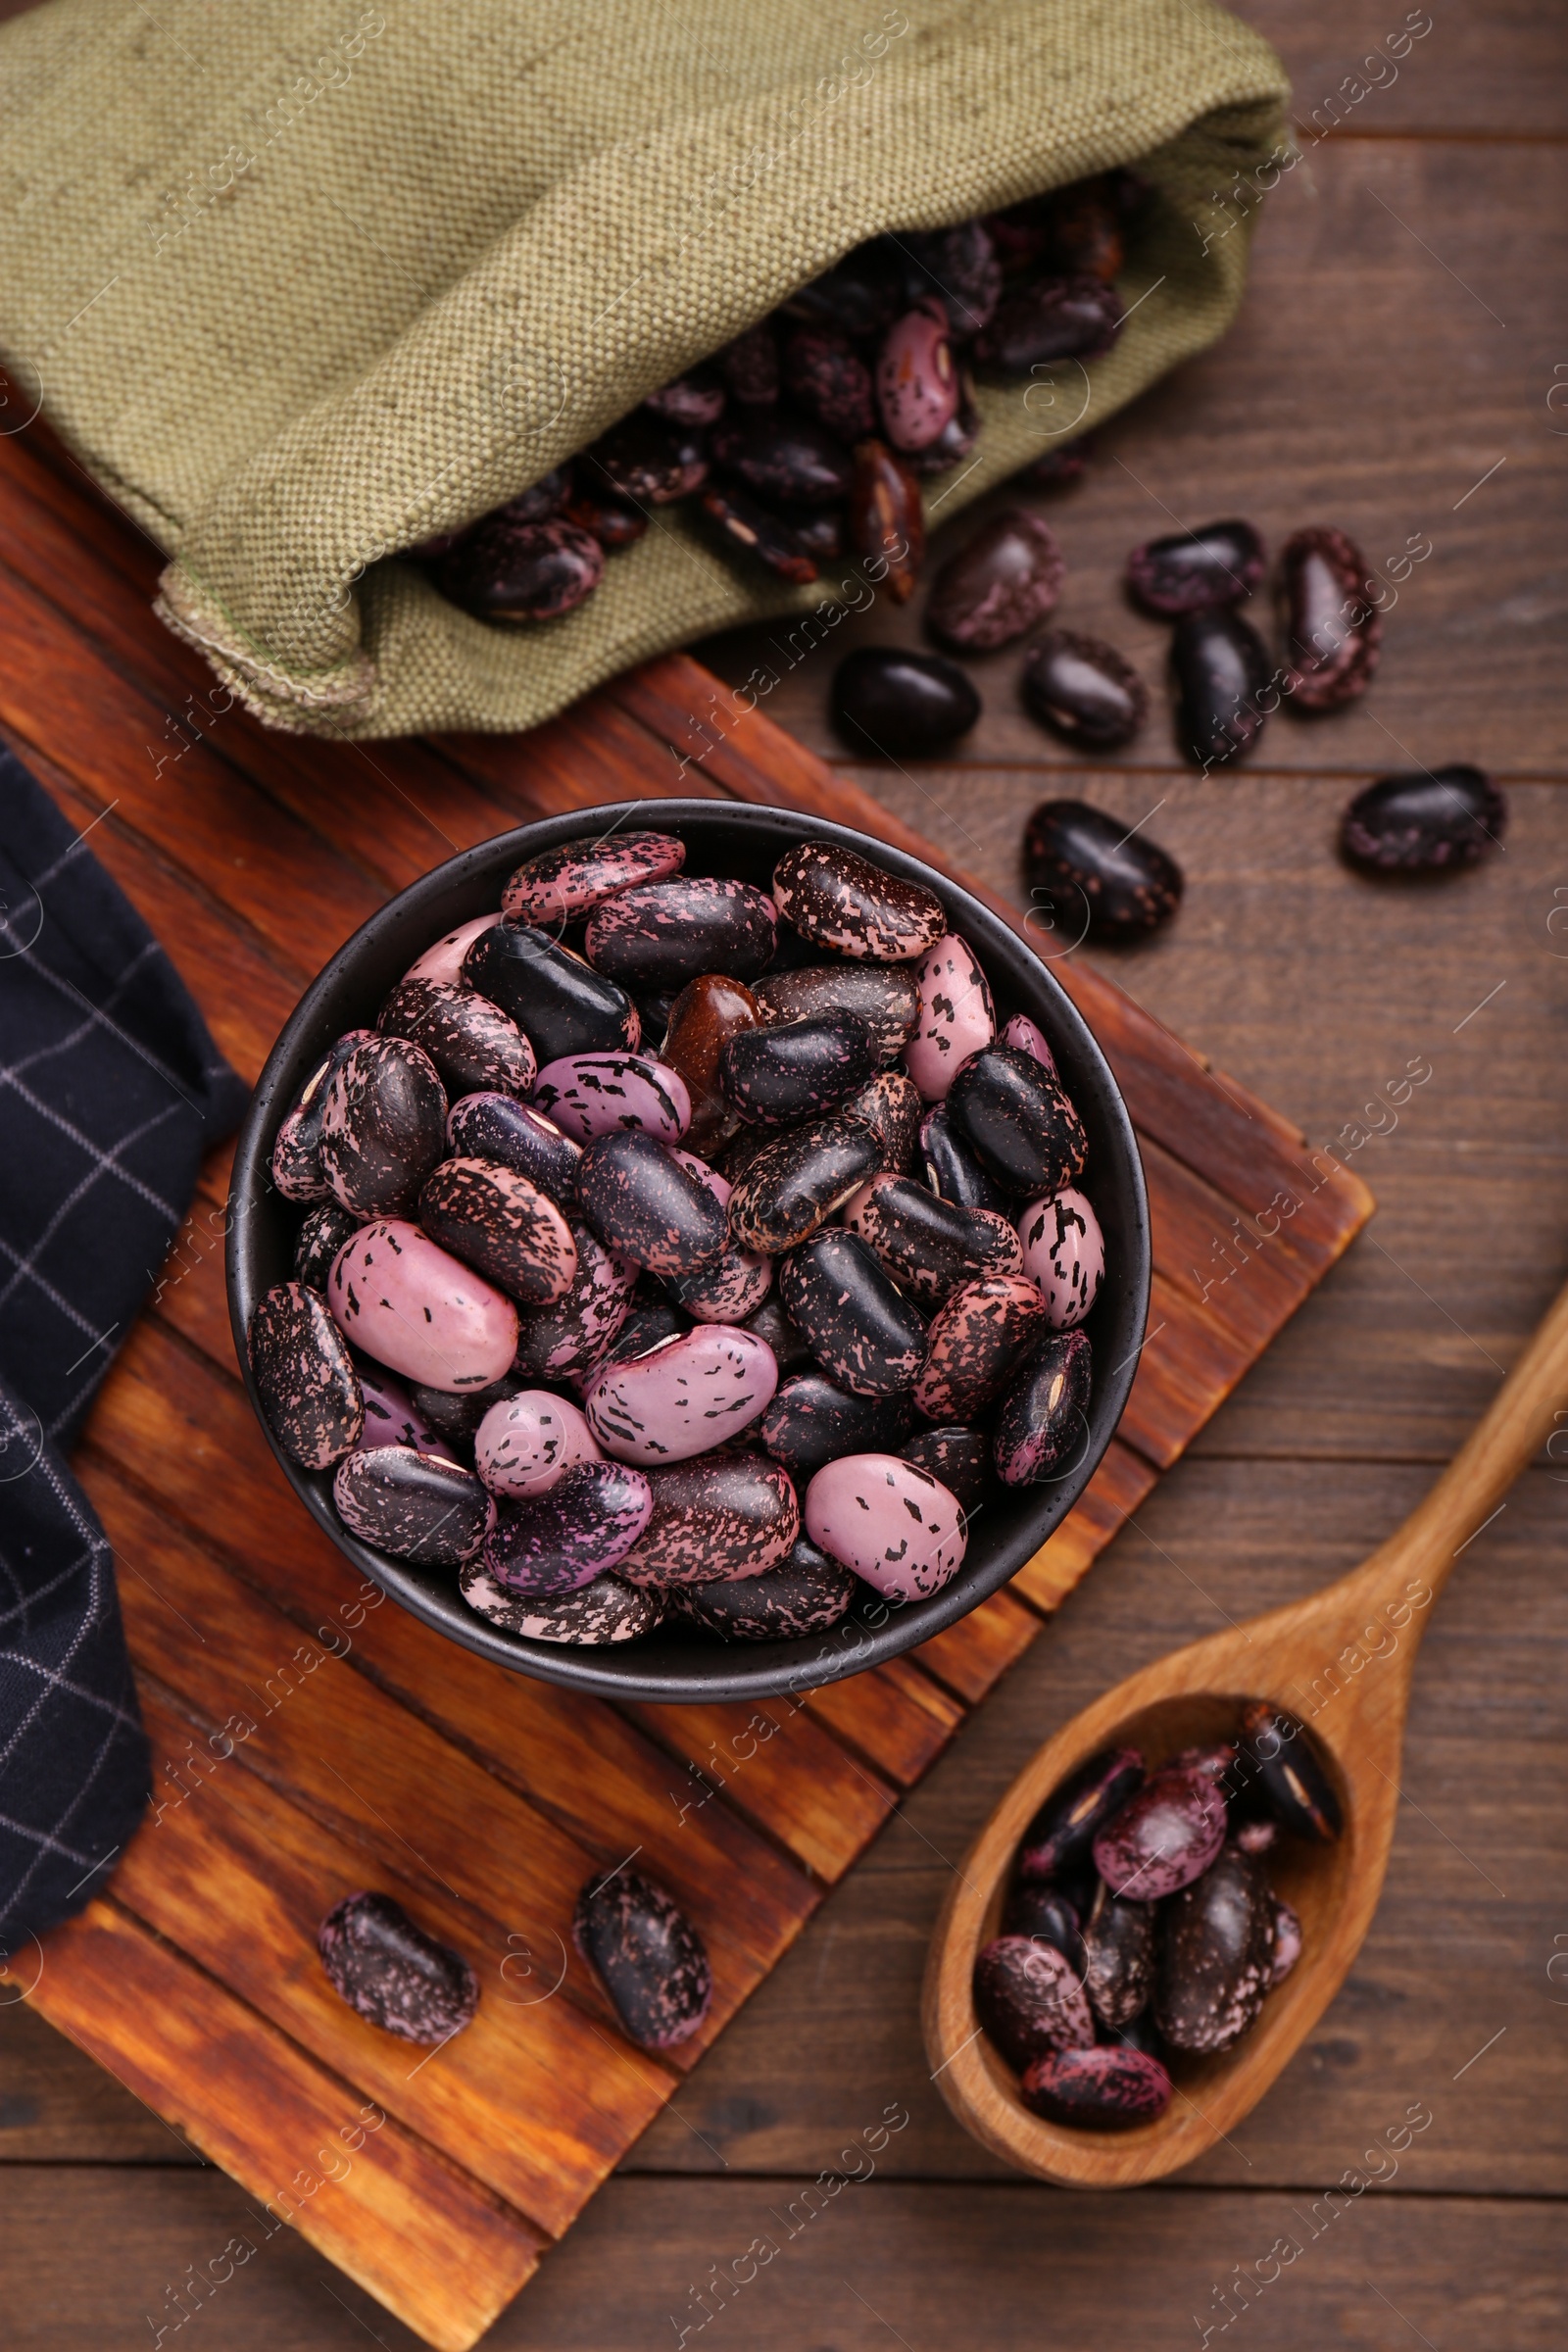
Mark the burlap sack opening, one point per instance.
(304, 282)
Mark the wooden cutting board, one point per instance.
(310, 1737)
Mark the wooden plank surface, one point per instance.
(1358, 384)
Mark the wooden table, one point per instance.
(1400, 340)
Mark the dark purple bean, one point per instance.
(1029, 2000)
(760, 533)
(1059, 1839)
(958, 1458)
(521, 572)
(777, 1077)
(862, 1331)
(1013, 1113)
(1128, 883)
(860, 295)
(646, 1206)
(831, 381)
(541, 500)
(959, 265)
(821, 534)
(1196, 571)
(1225, 685)
(1166, 1835)
(322, 1236)
(1084, 691)
(891, 1106)
(886, 996)
(1043, 1423)
(1047, 1915)
(930, 1246)
(948, 1167)
(783, 459)
(696, 398)
(304, 1376)
(648, 1956)
(750, 366)
(495, 1127)
(558, 1001)
(1277, 1749)
(1333, 631)
(383, 1127)
(647, 461)
(1055, 469)
(1216, 1956)
(473, 1045)
(414, 1505)
(585, 1523)
(391, 1973)
(1287, 1946)
(1112, 2088)
(567, 1340)
(1424, 823)
(1119, 1946)
(810, 1422)
(804, 1595)
(1054, 318)
(605, 519)
(496, 1221)
(1001, 584)
(901, 705)
(726, 1515)
(297, 1151)
(792, 1183)
(663, 934)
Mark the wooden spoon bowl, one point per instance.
(1342, 1662)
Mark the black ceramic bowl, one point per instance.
(678, 1662)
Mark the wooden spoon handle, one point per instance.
(1520, 1419)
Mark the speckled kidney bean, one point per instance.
(1042, 1426)
(1017, 1121)
(929, 1246)
(647, 1206)
(322, 1236)
(495, 1127)
(896, 1526)
(709, 1011)
(648, 461)
(593, 1616)
(805, 1593)
(383, 1126)
(606, 517)
(890, 1105)
(559, 1003)
(999, 586)
(960, 267)
(1224, 685)
(956, 1458)
(770, 1323)
(728, 1516)
(392, 1973)
(1027, 1037)
(472, 1043)
(1029, 2001)
(304, 1376)
(297, 1150)
(1120, 1953)
(526, 1443)
(663, 934)
(418, 1310)
(593, 1093)
(1196, 571)
(956, 437)
(1084, 691)
(949, 1168)
(1054, 318)
(1424, 823)
(956, 1016)
(810, 1422)
(837, 899)
(894, 703)
(696, 398)
(829, 379)
(1059, 1840)
(1125, 883)
(455, 1419)
(585, 1523)
(652, 1318)
(777, 1077)
(567, 1340)
(862, 1329)
(1045, 1914)
(561, 885)
(414, 1506)
(683, 1396)
(799, 1179)
(647, 1954)
(513, 571)
(916, 379)
(1112, 2088)
(886, 996)
(730, 1287)
(887, 518)
(444, 962)
(1064, 1251)
(748, 367)
(503, 1226)
(975, 1344)
(1165, 1836)
(1277, 1756)
(391, 1416)
(766, 537)
(1216, 1956)
(784, 460)
(1286, 1946)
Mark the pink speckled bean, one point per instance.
(956, 1016)
(916, 381)
(894, 1525)
(444, 962)
(417, 1309)
(683, 1396)
(1029, 1037)
(733, 1285)
(592, 1094)
(1064, 1251)
(524, 1444)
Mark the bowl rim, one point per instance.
(875, 1631)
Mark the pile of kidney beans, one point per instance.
(1141, 1926)
(574, 1309)
(807, 438)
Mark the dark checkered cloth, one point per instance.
(111, 1089)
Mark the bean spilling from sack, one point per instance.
(807, 438)
(674, 1247)
(1141, 1926)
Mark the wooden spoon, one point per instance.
(1340, 1661)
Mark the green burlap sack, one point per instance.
(304, 282)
